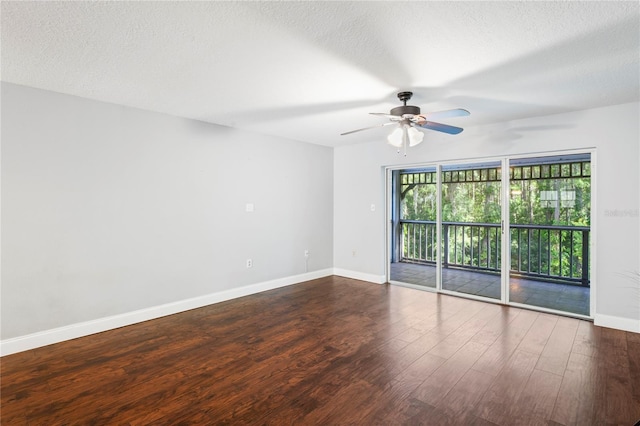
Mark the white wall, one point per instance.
(108, 209)
(612, 131)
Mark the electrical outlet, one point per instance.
(353, 253)
(249, 263)
(306, 253)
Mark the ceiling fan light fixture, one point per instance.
(395, 138)
(415, 136)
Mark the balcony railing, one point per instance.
(547, 253)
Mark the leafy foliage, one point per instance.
(548, 203)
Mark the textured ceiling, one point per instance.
(312, 70)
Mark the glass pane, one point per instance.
(471, 217)
(414, 258)
(549, 235)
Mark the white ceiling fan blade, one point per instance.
(366, 128)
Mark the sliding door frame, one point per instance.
(505, 226)
(592, 233)
(389, 226)
(503, 248)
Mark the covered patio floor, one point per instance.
(561, 297)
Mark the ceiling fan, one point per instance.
(408, 118)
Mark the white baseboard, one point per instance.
(377, 279)
(73, 331)
(626, 324)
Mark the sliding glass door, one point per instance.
(471, 229)
(414, 241)
(514, 230)
(550, 228)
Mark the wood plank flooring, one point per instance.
(333, 351)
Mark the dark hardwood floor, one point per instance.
(333, 351)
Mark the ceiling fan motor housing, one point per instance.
(405, 109)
